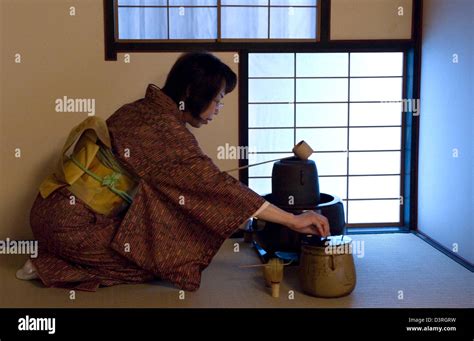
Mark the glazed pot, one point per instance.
(328, 270)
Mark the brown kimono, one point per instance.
(184, 209)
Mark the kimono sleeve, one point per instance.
(205, 194)
(166, 155)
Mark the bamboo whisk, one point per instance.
(273, 274)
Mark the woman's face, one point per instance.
(213, 108)
(208, 114)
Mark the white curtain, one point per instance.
(242, 21)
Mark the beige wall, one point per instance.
(370, 19)
(64, 56)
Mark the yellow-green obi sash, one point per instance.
(91, 172)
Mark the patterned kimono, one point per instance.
(183, 210)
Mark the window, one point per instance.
(216, 20)
(347, 106)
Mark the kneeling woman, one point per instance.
(137, 199)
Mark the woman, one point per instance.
(182, 206)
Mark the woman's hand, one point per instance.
(310, 222)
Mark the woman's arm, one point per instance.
(308, 222)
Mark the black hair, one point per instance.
(196, 78)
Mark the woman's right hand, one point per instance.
(310, 222)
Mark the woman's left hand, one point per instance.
(310, 222)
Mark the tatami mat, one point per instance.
(396, 270)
